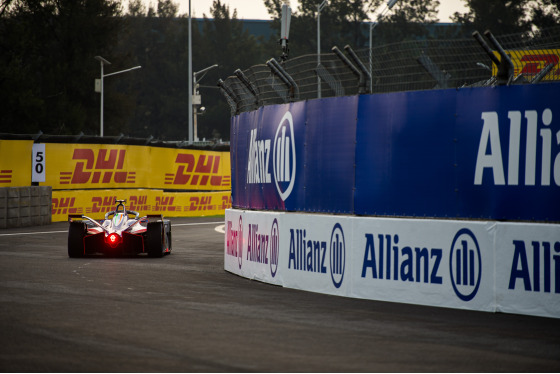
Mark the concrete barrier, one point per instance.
(25, 206)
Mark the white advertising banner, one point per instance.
(486, 266)
(528, 269)
(318, 253)
(252, 243)
(438, 263)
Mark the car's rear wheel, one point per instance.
(76, 234)
(168, 236)
(155, 238)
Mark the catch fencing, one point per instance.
(483, 60)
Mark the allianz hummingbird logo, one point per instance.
(283, 156)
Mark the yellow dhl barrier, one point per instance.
(95, 203)
(82, 166)
(15, 163)
(530, 62)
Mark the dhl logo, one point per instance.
(202, 171)
(101, 204)
(65, 206)
(98, 168)
(6, 176)
(165, 203)
(530, 63)
(139, 203)
(205, 203)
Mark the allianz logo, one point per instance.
(308, 253)
(387, 257)
(259, 246)
(283, 156)
(532, 150)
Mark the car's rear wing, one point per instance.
(154, 217)
(82, 218)
(75, 217)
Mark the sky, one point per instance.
(255, 9)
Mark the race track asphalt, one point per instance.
(184, 313)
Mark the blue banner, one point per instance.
(485, 153)
(404, 155)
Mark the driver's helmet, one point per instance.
(119, 219)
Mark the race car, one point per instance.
(119, 234)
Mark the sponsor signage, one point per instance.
(528, 278)
(295, 160)
(485, 266)
(15, 163)
(269, 156)
(82, 166)
(95, 203)
(317, 252)
(252, 245)
(266, 246)
(439, 263)
(484, 153)
(529, 63)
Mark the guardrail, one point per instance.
(406, 66)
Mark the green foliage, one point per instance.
(46, 63)
(408, 20)
(160, 45)
(47, 49)
(507, 17)
(343, 22)
(47, 67)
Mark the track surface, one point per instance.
(184, 313)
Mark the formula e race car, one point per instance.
(119, 234)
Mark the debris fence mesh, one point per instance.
(527, 58)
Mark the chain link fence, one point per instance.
(483, 60)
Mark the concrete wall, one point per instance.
(25, 206)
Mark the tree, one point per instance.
(167, 8)
(136, 8)
(407, 20)
(545, 13)
(223, 41)
(500, 17)
(158, 41)
(342, 22)
(47, 66)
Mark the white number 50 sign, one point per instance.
(38, 171)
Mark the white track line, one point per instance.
(34, 233)
(198, 223)
(65, 231)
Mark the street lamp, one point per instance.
(319, 8)
(390, 4)
(196, 98)
(103, 62)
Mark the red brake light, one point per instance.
(113, 240)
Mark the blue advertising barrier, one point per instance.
(490, 152)
(287, 157)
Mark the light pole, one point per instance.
(389, 6)
(196, 98)
(103, 62)
(319, 8)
